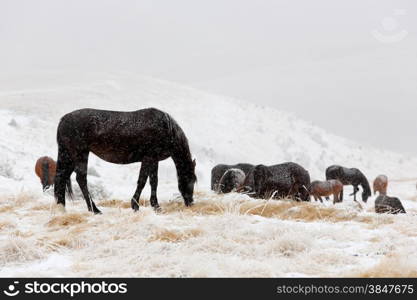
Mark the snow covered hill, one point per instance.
(220, 129)
(221, 235)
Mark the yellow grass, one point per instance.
(280, 209)
(7, 208)
(68, 219)
(41, 207)
(393, 265)
(174, 236)
(223, 234)
(6, 225)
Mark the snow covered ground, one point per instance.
(230, 235)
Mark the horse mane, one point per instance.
(365, 184)
(179, 141)
(45, 172)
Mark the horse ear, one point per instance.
(194, 163)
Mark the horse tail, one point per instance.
(45, 174)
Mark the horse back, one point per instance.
(119, 137)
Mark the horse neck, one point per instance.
(180, 151)
(182, 158)
(365, 184)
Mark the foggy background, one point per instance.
(347, 66)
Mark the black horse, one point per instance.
(350, 176)
(231, 180)
(390, 205)
(218, 171)
(147, 136)
(282, 180)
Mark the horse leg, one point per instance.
(81, 171)
(304, 193)
(355, 190)
(143, 176)
(341, 196)
(64, 169)
(327, 198)
(335, 198)
(153, 180)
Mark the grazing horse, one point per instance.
(390, 205)
(350, 176)
(231, 180)
(320, 189)
(218, 171)
(45, 169)
(381, 184)
(248, 185)
(146, 135)
(283, 180)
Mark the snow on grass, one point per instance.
(221, 235)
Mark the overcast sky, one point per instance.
(347, 66)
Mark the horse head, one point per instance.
(367, 192)
(260, 175)
(366, 195)
(186, 183)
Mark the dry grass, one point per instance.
(12, 203)
(4, 225)
(174, 236)
(7, 208)
(70, 241)
(17, 249)
(219, 233)
(68, 219)
(19, 200)
(280, 209)
(121, 204)
(114, 203)
(392, 265)
(199, 208)
(40, 207)
(290, 210)
(22, 234)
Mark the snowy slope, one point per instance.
(229, 235)
(220, 129)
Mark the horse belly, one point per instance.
(122, 157)
(117, 156)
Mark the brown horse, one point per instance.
(320, 189)
(381, 184)
(45, 169)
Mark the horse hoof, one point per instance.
(97, 212)
(157, 209)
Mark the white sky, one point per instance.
(324, 59)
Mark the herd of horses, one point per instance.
(151, 135)
(290, 180)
